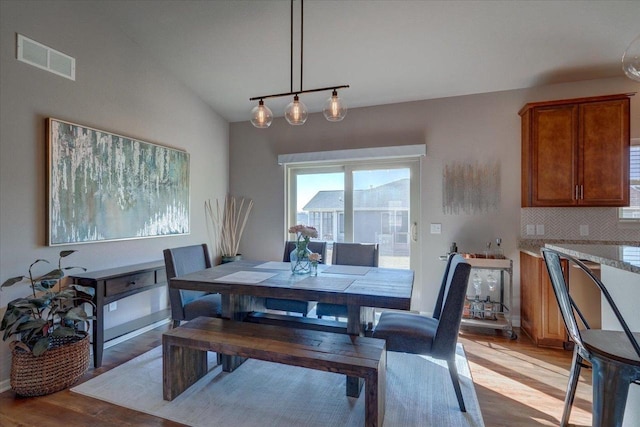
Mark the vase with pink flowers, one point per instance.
(299, 257)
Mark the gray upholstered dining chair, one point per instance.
(295, 306)
(362, 254)
(614, 355)
(185, 304)
(435, 336)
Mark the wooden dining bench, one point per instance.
(185, 355)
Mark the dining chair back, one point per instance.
(314, 246)
(361, 254)
(186, 304)
(296, 306)
(614, 355)
(435, 336)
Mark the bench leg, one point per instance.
(181, 368)
(354, 327)
(375, 394)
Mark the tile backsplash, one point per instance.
(577, 224)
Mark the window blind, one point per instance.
(394, 152)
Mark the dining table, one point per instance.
(244, 285)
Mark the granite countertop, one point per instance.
(618, 256)
(622, 255)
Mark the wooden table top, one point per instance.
(369, 287)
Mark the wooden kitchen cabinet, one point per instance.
(540, 317)
(576, 152)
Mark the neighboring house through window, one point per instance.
(380, 215)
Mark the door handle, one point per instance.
(414, 231)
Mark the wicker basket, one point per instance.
(54, 370)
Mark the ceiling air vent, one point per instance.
(41, 56)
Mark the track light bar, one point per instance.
(278, 95)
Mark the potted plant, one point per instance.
(228, 224)
(50, 349)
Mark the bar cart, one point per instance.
(487, 312)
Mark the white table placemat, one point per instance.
(312, 282)
(347, 269)
(274, 265)
(245, 277)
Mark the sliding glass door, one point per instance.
(364, 202)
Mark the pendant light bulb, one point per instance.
(334, 108)
(631, 60)
(296, 112)
(261, 116)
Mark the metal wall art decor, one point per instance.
(470, 188)
(104, 186)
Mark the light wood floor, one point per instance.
(517, 384)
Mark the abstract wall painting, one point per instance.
(471, 188)
(104, 186)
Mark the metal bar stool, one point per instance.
(614, 355)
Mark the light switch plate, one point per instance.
(531, 229)
(540, 229)
(436, 228)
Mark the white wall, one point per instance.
(624, 287)
(117, 88)
(467, 128)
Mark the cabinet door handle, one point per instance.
(131, 283)
(581, 191)
(575, 193)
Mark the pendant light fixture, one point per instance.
(631, 60)
(261, 116)
(334, 109)
(296, 112)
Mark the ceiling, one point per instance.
(387, 51)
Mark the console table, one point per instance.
(114, 284)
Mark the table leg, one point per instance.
(98, 325)
(236, 307)
(354, 327)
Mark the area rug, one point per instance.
(419, 393)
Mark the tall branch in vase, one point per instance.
(227, 223)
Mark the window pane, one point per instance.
(633, 211)
(381, 213)
(327, 226)
(320, 199)
(631, 255)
